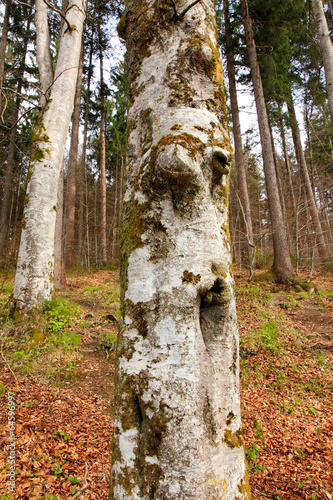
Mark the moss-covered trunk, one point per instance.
(177, 426)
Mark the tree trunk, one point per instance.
(84, 196)
(34, 280)
(239, 158)
(326, 48)
(3, 46)
(177, 425)
(322, 249)
(59, 267)
(282, 268)
(292, 201)
(43, 52)
(72, 171)
(102, 160)
(8, 181)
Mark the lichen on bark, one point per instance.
(177, 391)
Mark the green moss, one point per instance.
(230, 417)
(189, 277)
(121, 26)
(244, 487)
(30, 172)
(220, 270)
(233, 439)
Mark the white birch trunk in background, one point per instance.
(177, 425)
(326, 48)
(35, 268)
(43, 53)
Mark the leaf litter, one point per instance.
(64, 427)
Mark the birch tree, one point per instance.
(326, 48)
(177, 424)
(35, 268)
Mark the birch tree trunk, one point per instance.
(35, 269)
(177, 424)
(282, 268)
(326, 48)
(239, 157)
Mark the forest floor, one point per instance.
(59, 375)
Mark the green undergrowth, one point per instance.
(49, 346)
(104, 297)
(46, 346)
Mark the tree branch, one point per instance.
(182, 14)
(58, 11)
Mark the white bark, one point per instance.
(34, 275)
(43, 53)
(326, 48)
(177, 427)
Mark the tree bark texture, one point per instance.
(239, 157)
(34, 280)
(282, 267)
(177, 424)
(43, 52)
(70, 252)
(326, 48)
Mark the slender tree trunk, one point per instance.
(326, 48)
(70, 251)
(8, 181)
(322, 249)
(43, 52)
(289, 198)
(84, 199)
(102, 160)
(59, 267)
(34, 280)
(80, 217)
(3, 46)
(177, 425)
(282, 268)
(292, 204)
(239, 157)
(115, 206)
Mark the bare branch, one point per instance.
(58, 11)
(85, 485)
(5, 106)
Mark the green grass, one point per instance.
(48, 347)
